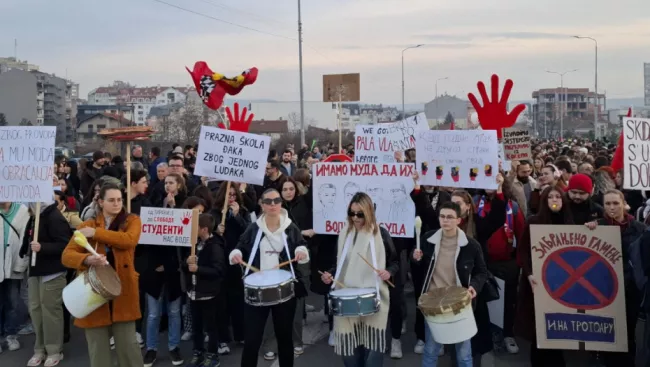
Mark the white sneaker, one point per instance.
(511, 345)
(419, 347)
(269, 356)
(206, 338)
(298, 350)
(310, 308)
(442, 351)
(138, 338)
(112, 343)
(186, 336)
(12, 343)
(223, 349)
(396, 349)
(330, 341)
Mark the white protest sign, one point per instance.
(636, 166)
(505, 165)
(378, 143)
(232, 156)
(458, 158)
(389, 185)
(166, 227)
(27, 163)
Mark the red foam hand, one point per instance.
(238, 122)
(493, 114)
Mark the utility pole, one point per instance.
(408, 48)
(565, 98)
(302, 98)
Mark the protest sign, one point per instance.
(378, 143)
(228, 155)
(505, 165)
(27, 163)
(636, 162)
(516, 145)
(389, 185)
(580, 294)
(166, 227)
(458, 158)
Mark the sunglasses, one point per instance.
(272, 201)
(359, 215)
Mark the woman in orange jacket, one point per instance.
(114, 234)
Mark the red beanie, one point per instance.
(580, 182)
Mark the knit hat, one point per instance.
(580, 182)
(178, 150)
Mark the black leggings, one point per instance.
(395, 312)
(254, 322)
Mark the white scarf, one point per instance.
(369, 331)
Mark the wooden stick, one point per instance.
(337, 282)
(254, 269)
(225, 204)
(194, 236)
(128, 178)
(284, 263)
(37, 222)
(376, 270)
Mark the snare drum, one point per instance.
(268, 288)
(353, 302)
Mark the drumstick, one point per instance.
(337, 282)
(254, 269)
(284, 263)
(375, 269)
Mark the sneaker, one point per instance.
(223, 349)
(177, 359)
(298, 350)
(442, 351)
(211, 360)
(138, 338)
(149, 358)
(511, 345)
(112, 342)
(27, 330)
(197, 359)
(419, 347)
(206, 338)
(396, 349)
(269, 356)
(186, 336)
(404, 327)
(53, 360)
(12, 343)
(331, 340)
(36, 360)
(310, 308)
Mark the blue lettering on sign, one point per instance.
(579, 327)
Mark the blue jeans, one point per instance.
(154, 310)
(364, 357)
(12, 307)
(431, 350)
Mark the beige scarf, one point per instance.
(369, 331)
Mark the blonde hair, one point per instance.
(368, 210)
(470, 227)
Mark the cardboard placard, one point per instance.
(232, 156)
(378, 143)
(389, 185)
(167, 227)
(516, 145)
(580, 293)
(342, 87)
(636, 162)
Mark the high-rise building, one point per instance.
(11, 63)
(646, 82)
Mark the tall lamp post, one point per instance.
(302, 96)
(437, 80)
(408, 48)
(597, 109)
(565, 98)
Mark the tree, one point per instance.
(188, 124)
(449, 118)
(25, 122)
(3, 120)
(294, 121)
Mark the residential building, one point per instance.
(53, 89)
(71, 98)
(11, 63)
(646, 82)
(20, 98)
(272, 128)
(571, 102)
(87, 129)
(437, 110)
(86, 111)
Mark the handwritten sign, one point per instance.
(389, 185)
(636, 133)
(580, 296)
(27, 163)
(458, 158)
(516, 145)
(166, 227)
(232, 156)
(378, 143)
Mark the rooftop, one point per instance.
(269, 127)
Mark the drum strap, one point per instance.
(344, 254)
(374, 263)
(256, 246)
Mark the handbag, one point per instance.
(490, 291)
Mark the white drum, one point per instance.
(268, 287)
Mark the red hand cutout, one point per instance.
(238, 122)
(493, 115)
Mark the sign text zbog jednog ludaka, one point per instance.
(580, 294)
(636, 136)
(27, 163)
(378, 143)
(232, 156)
(389, 186)
(458, 158)
(166, 227)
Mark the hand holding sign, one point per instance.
(493, 115)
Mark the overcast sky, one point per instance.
(149, 43)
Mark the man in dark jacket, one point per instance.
(158, 193)
(155, 159)
(287, 166)
(583, 208)
(94, 171)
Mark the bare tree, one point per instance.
(25, 122)
(3, 120)
(294, 121)
(188, 124)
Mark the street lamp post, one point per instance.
(302, 95)
(565, 98)
(437, 80)
(408, 48)
(597, 109)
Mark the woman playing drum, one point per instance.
(271, 241)
(114, 234)
(361, 340)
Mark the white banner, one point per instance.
(389, 185)
(232, 156)
(458, 158)
(166, 227)
(378, 143)
(636, 134)
(27, 163)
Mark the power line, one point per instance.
(254, 15)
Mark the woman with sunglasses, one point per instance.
(280, 240)
(363, 236)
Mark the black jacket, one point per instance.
(634, 231)
(283, 169)
(235, 226)
(588, 211)
(425, 210)
(211, 268)
(53, 235)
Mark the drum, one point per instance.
(91, 290)
(268, 288)
(448, 312)
(348, 302)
